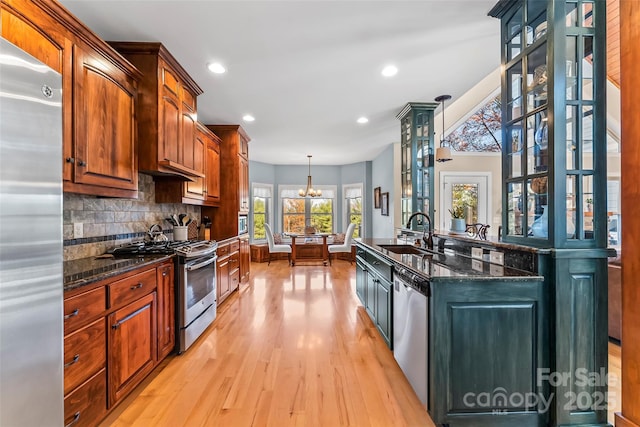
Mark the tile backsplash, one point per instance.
(92, 225)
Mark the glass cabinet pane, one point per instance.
(514, 93)
(537, 78)
(587, 138)
(572, 206)
(572, 137)
(514, 35)
(514, 209)
(587, 68)
(536, 20)
(514, 149)
(571, 68)
(587, 206)
(571, 14)
(587, 14)
(537, 213)
(537, 143)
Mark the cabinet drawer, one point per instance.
(87, 404)
(130, 289)
(84, 354)
(383, 267)
(234, 261)
(222, 251)
(234, 246)
(84, 309)
(234, 280)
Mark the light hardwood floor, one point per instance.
(292, 348)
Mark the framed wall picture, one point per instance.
(376, 198)
(384, 204)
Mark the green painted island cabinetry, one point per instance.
(554, 183)
(375, 289)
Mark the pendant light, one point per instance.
(443, 154)
(309, 191)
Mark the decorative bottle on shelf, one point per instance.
(540, 227)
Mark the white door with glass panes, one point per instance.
(468, 191)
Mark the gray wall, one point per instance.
(382, 175)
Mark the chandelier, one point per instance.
(309, 191)
(443, 154)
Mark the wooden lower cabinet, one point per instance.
(87, 404)
(228, 268)
(132, 346)
(116, 333)
(166, 310)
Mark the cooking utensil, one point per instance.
(186, 220)
(180, 218)
(175, 218)
(171, 221)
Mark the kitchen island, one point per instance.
(487, 339)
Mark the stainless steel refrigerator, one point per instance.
(31, 278)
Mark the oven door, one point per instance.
(197, 288)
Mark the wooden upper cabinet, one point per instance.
(105, 131)
(212, 164)
(92, 72)
(166, 112)
(234, 169)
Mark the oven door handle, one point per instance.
(196, 266)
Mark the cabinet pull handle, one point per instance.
(138, 286)
(72, 314)
(135, 313)
(376, 263)
(82, 163)
(70, 160)
(76, 417)
(74, 361)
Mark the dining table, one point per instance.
(307, 247)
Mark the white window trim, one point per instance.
(359, 186)
(444, 174)
(270, 215)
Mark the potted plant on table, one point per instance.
(458, 223)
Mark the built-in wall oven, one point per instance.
(196, 299)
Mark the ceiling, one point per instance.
(307, 69)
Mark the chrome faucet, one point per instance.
(428, 240)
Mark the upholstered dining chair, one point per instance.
(276, 248)
(346, 246)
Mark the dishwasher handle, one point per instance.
(413, 280)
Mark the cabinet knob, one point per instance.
(164, 273)
(82, 163)
(70, 160)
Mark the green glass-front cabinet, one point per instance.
(416, 144)
(553, 170)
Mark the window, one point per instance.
(353, 206)
(300, 212)
(262, 195)
(481, 131)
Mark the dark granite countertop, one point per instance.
(448, 265)
(85, 271)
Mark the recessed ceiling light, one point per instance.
(362, 120)
(248, 118)
(389, 71)
(216, 68)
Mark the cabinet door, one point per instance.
(105, 129)
(213, 172)
(361, 281)
(169, 144)
(196, 189)
(383, 309)
(245, 260)
(370, 302)
(132, 346)
(188, 137)
(222, 290)
(38, 35)
(166, 310)
(243, 190)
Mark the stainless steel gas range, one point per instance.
(195, 283)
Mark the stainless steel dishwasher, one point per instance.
(411, 329)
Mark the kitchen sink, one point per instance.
(406, 249)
